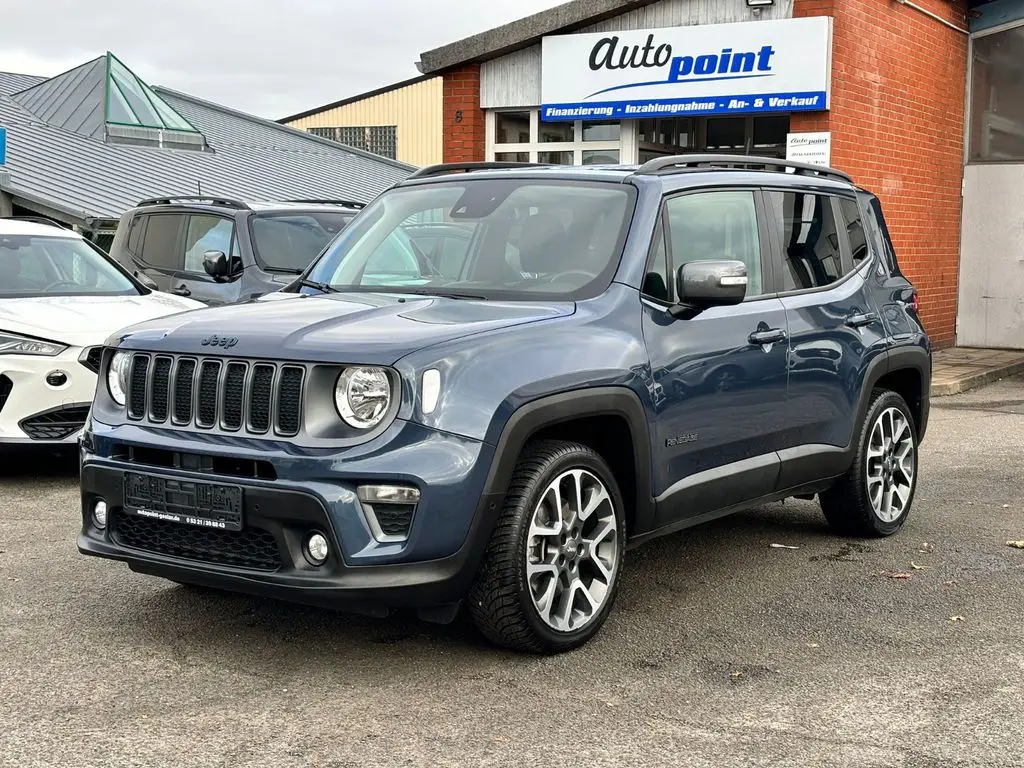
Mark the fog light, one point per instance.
(99, 514)
(317, 549)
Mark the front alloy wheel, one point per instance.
(550, 572)
(572, 550)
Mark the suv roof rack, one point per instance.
(679, 163)
(39, 220)
(443, 168)
(214, 200)
(346, 203)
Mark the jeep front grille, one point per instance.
(210, 393)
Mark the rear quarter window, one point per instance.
(136, 231)
(878, 233)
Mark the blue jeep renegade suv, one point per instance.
(603, 355)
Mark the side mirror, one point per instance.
(704, 284)
(145, 279)
(216, 265)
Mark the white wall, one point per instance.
(990, 310)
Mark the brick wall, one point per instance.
(463, 120)
(897, 122)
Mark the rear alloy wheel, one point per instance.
(550, 572)
(875, 496)
(891, 465)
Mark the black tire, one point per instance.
(847, 505)
(500, 601)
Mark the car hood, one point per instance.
(370, 328)
(84, 321)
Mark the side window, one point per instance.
(73, 266)
(809, 235)
(855, 230)
(160, 244)
(715, 225)
(39, 271)
(453, 252)
(656, 280)
(393, 257)
(206, 233)
(135, 232)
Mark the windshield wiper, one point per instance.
(441, 294)
(284, 270)
(322, 287)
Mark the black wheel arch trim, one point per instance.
(809, 464)
(915, 358)
(550, 410)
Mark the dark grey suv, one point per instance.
(219, 251)
(601, 356)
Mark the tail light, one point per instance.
(914, 301)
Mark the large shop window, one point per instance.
(763, 135)
(521, 136)
(997, 97)
(379, 139)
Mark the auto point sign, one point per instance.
(747, 67)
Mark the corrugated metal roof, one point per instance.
(252, 158)
(72, 100)
(11, 82)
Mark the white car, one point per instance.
(60, 298)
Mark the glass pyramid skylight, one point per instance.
(131, 102)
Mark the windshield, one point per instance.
(507, 238)
(32, 265)
(288, 242)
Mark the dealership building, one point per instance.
(874, 87)
(921, 101)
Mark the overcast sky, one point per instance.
(269, 57)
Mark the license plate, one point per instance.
(206, 505)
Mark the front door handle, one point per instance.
(861, 319)
(181, 290)
(770, 336)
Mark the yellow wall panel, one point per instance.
(416, 110)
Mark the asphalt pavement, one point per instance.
(722, 650)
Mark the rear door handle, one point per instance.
(770, 336)
(862, 319)
(181, 290)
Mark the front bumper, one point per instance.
(36, 412)
(431, 570)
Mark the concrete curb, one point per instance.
(975, 380)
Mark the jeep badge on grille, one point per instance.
(220, 341)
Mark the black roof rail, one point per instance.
(346, 203)
(696, 162)
(39, 220)
(212, 199)
(443, 168)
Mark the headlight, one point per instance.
(10, 344)
(362, 396)
(117, 377)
